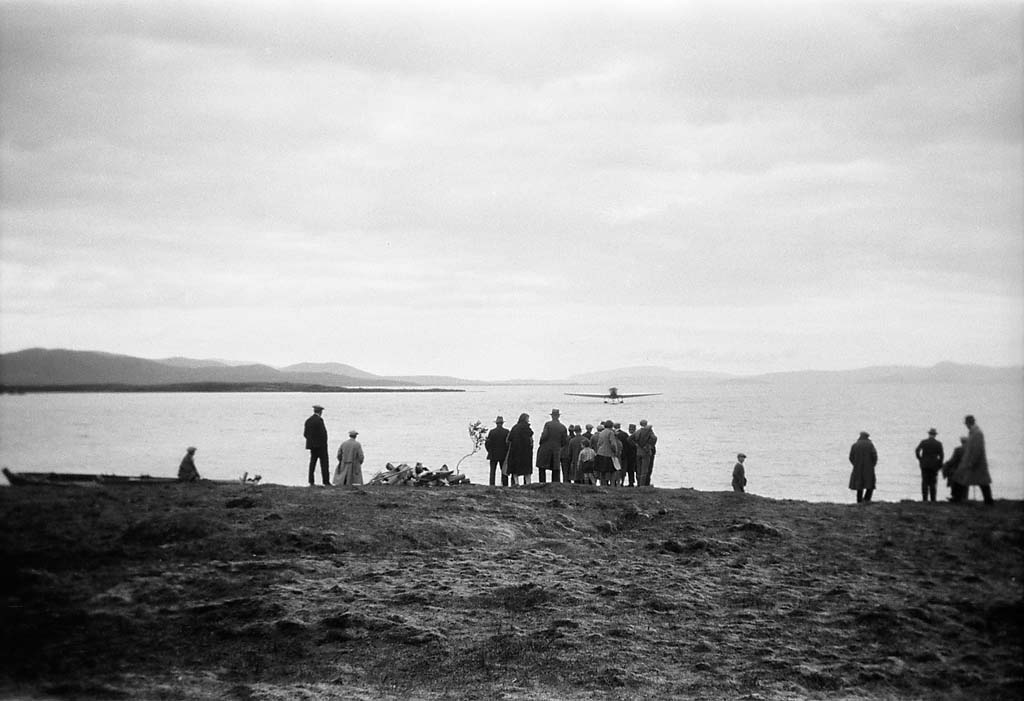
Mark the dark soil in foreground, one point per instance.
(470, 592)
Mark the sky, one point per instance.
(515, 190)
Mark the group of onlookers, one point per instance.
(968, 466)
(610, 456)
(605, 455)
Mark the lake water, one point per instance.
(796, 436)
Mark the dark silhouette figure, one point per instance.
(520, 450)
(315, 433)
(187, 471)
(645, 442)
(553, 437)
(973, 467)
(497, 450)
(739, 475)
(957, 492)
(929, 458)
(863, 457)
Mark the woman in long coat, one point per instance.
(520, 450)
(863, 457)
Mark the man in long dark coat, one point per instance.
(553, 438)
(497, 450)
(628, 456)
(929, 457)
(520, 450)
(863, 457)
(974, 464)
(315, 433)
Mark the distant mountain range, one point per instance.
(38, 368)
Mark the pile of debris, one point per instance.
(418, 475)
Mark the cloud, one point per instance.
(453, 171)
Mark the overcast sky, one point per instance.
(533, 190)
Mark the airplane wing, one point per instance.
(608, 396)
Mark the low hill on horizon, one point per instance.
(39, 367)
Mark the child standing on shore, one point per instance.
(739, 476)
(586, 462)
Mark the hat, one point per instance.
(317, 407)
(555, 412)
(932, 431)
(190, 449)
(353, 434)
(643, 422)
(590, 426)
(864, 434)
(741, 455)
(499, 420)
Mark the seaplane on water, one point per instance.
(613, 396)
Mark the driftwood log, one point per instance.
(418, 475)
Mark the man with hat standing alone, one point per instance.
(497, 450)
(739, 475)
(553, 438)
(315, 433)
(863, 457)
(929, 458)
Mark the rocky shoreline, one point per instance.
(474, 592)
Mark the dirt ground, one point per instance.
(474, 592)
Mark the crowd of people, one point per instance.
(605, 454)
(967, 467)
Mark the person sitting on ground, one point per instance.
(187, 471)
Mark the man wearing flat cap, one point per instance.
(739, 475)
(350, 462)
(497, 450)
(315, 433)
(929, 458)
(553, 438)
(863, 457)
(646, 448)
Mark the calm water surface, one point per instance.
(796, 436)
